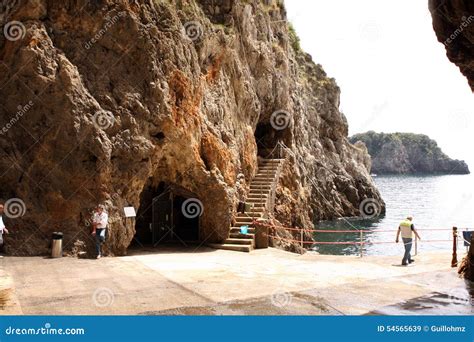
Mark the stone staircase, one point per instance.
(260, 198)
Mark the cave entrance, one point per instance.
(267, 139)
(167, 214)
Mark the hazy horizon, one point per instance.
(393, 73)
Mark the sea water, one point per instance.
(437, 204)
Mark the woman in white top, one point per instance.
(99, 226)
(3, 229)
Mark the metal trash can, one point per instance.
(261, 236)
(57, 245)
(467, 237)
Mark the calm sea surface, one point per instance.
(435, 202)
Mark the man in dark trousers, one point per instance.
(407, 229)
(99, 225)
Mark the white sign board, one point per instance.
(129, 211)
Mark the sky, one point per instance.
(393, 73)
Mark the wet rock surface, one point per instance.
(103, 100)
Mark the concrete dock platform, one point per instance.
(174, 281)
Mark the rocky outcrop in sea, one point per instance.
(407, 153)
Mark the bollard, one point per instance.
(361, 239)
(454, 261)
(302, 244)
(416, 246)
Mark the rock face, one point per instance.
(453, 22)
(407, 153)
(114, 101)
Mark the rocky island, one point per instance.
(132, 103)
(407, 153)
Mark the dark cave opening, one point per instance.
(267, 139)
(167, 214)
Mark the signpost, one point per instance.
(129, 213)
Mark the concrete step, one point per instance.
(239, 241)
(269, 174)
(255, 211)
(257, 194)
(254, 198)
(260, 186)
(234, 229)
(269, 163)
(266, 172)
(263, 179)
(257, 201)
(231, 247)
(243, 219)
(257, 205)
(264, 190)
(241, 236)
(268, 166)
(263, 194)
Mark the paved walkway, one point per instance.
(207, 281)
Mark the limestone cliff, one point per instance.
(110, 101)
(407, 153)
(453, 22)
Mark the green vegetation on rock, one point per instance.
(408, 153)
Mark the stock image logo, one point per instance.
(103, 297)
(370, 208)
(281, 298)
(14, 208)
(370, 31)
(280, 119)
(192, 208)
(459, 295)
(103, 119)
(14, 30)
(193, 30)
